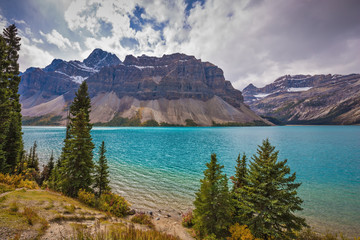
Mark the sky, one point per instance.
(252, 41)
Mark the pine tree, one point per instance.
(239, 180)
(33, 159)
(47, 170)
(101, 177)
(13, 144)
(270, 196)
(77, 164)
(4, 103)
(212, 213)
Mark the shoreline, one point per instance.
(169, 221)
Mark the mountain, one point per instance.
(306, 99)
(172, 89)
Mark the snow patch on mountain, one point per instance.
(299, 89)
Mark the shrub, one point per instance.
(188, 219)
(17, 181)
(114, 204)
(14, 207)
(87, 197)
(69, 208)
(142, 218)
(240, 232)
(30, 215)
(5, 188)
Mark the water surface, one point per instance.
(160, 168)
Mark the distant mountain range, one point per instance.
(174, 89)
(306, 99)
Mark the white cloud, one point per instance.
(3, 23)
(61, 42)
(32, 56)
(252, 41)
(39, 41)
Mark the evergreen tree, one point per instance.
(212, 213)
(33, 159)
(239, 180)
(270, 196)
(101, 177)
(47, 170)
(77, 164)
(13, 145)
(4, 103)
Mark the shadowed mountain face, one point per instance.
(169, 89)
(306, 99)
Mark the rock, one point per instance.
(150, 213)
(170, 89)
(157, 219)
(308, 99)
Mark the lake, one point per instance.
(160, 168)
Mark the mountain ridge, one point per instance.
(171, 89)
(308, 99)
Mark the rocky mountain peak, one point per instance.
(145, 60)
(99, 58)
(54, 65)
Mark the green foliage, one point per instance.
(32, 158)
(10, 135)
(17, 181)
(101, 177)
(48, 168)
(5, 106)
(108, 202)
(47, 120)
(269, 199)
(190, 123)
(239, 180)
(87, 197)
(188, 219)
(120, 233)
(212, 214)
(240, 232)
(238, 124)
(114, 204)
(150, 123)
(142, 218)
(76, 160)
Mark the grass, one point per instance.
(120, 233)
(5, 188)
(143, 219)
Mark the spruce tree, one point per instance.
(13, 144)
(77, 164)
(101, 178)
(239, 181)
(270, 196)
(33, 159)
(4, 103)
(47, 170)
(212, 213)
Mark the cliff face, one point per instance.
(169, 89)
(306, 99)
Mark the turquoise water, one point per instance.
(160, 168)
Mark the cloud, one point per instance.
(61, 42)
(37, 40)
(32, 56)
(253, 41)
